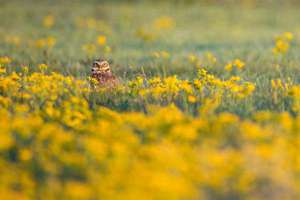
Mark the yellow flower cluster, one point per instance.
(48, 21)
(54, 146)
(4, 60)
(156, 29)
(90, 49)
(282, 43)
(164, 22)
(13, 39)
(236, 64)
(93, 24)
(161, 54)
(43, 43)
(199, 89)
(199, 134)
(294, 94)
(192, 58)
(47, 42)
(101, 40)
(211, 58)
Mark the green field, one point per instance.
(207, 105)
(228, 32)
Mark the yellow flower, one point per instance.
(43, 67)
(48, 21)
(235, 78)
(197, 84)
(156, 54)
(250, 87)
(192, 99)
(40, 43)
(154, 81)
(211, 57)
(25, 69)
(228, 67)
(6, 141)
(12, 39)
(5, 60)
(93, 80)
(2, 70)
(281, 47)
(164, 22)
(185, 85)
(239, 64)
(25, 154)
(101, 40)
(192, 58)
(165, 54)
(50, 41)
(47, 42)
(288, 35)
(78, 190)
(161, 54)
(282, 43)
(277, 84)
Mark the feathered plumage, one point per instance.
(102, 73)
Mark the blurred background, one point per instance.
(234, 65)
(159, 36)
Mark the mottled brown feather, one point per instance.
(102, 73)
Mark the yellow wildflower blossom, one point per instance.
(101, 40)
(164, 22)
(5, 60)
(192, 99)
(48, 21)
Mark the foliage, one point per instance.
(206, 107)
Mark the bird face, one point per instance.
(100, 67)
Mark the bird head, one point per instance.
(100, 66)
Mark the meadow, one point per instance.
(207, 106)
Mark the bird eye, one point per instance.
(95, 64)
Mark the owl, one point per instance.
(102, 73)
